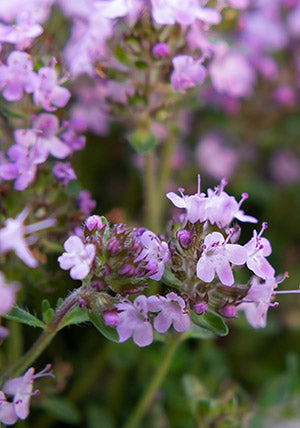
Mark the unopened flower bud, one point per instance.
(126, 270)
(111, 318)
(200, 308)
(113, 248)
(184, 238)
(93, 221)
(229, 311)
(160, 50)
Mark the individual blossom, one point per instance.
(43, 137)
(13, 236)
(171, 311)
(133, 321)
(195, 205)
(85, 202)
(155, 253)
(22, 33)
(21, 389)
(93, 221)
(63, 172)
(17, 76)
(221, 208)
(258, 249)
(216, 258)
(78, 257)
(47, 92)
(187, 73)
(231, 72)
(7, 295)
(20, 166)
(216, 158)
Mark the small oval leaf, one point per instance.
(24, 317)
(210, 321)
(108, 332)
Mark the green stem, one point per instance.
(152, 197)
(155, 383)
(165, 170)
(45, 338)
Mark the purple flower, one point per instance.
(171, 311)
(216, 257)
(195, 205)
(20, 34)
(257, 301)
(187, 73)
(221, 208)
(185, 13)
(231, 73)
(43, 138)
(17, 76)
(85, 202)
(12, 236)
(78, 257)
(47, 91)
(63, 172)
(21, 388)
(155, 252)
(133, 321)
(7, 295)
(257, 249)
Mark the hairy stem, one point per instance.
(155, 382)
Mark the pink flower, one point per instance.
(171, 311)
(13, 236)
(216, 257)
(257, 249)
(47, 91)
(133, 321)
(187, 73)
(78, 257)
(85, 202)
(195, 205)
(21, 388)
(17, 76)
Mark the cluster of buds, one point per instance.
(117, 257)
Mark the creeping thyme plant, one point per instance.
(123, 101)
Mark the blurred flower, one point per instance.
(160, 50)
(64, 172)
(187, 73)
(216, 159)
(85, 202)
(12, 236)
(285, 167)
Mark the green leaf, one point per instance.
(62, 409)
(121, 55)
(108, 332)
(75, 316)
(142, 141)
(196, 332)
(24, 317)
(48, 315)
(211, 322)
